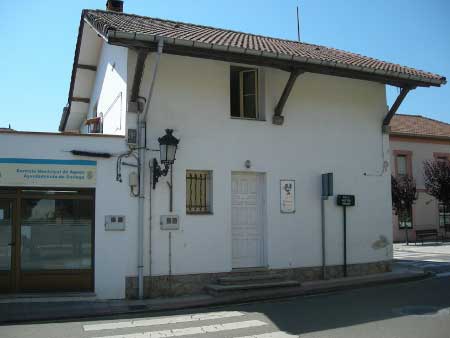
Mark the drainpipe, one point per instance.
(142, 130)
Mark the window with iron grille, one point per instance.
(198, 192)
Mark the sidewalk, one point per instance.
(45, 309)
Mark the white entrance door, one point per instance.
(247, 202)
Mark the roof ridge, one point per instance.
(262, 36)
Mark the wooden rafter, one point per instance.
(80, 99)
(87, 67)
(258, 60)
(396, 105)
(140, 63)
(278, 118)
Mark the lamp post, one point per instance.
(168, 145)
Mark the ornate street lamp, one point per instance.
(168, 145)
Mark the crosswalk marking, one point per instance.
(443, 274)
(277, 334)
(192, 330)
(162, 321)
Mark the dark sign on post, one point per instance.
(346, 200)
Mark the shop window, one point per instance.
(56, 234)
(198, 192)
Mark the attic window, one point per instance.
(244, 92)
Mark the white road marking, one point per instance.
(191, 330)
(162, 321)
(277, 334)
(443, 274)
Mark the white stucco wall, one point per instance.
(331, 125)
(110, 89)
(115, 254)
(425, 209)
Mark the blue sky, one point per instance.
(38, 43)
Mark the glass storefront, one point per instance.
(56, 234)
(48, 244)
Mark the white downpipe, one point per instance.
(142, 152)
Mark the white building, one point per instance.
(259, 121)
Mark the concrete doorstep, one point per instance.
(20, 311)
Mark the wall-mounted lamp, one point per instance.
(168, 145)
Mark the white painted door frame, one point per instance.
(244, 252)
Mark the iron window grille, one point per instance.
(198, 192)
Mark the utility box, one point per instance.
(327, 185)
(114, 223)
(170, 222)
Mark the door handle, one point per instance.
(12, 243)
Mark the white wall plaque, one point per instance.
(28, 172)
(287, 196)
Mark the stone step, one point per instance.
(219, 290)
(250, 279)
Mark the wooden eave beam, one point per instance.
(395, 106)
(81, 99)
(258, 60)
(278, 118)
(87, 67)
(140, 63)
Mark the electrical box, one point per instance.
(170, 222)
(133, 179)
(114, 223)
(132, 137)
(327, 184)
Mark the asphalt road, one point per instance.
(414, 309)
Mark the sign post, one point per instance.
(327, 191)
(345, 201)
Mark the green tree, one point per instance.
(436, 174)
(404, 193)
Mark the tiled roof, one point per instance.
(416, 125)
(107, 21)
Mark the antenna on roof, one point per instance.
(298, 25)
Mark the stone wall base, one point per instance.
(179, 285)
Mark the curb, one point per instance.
(250, 297)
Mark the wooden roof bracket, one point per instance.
(387, 119)
(278, 118)
(139, 71)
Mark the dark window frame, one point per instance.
(237, 94)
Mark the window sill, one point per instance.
(247, 119)
(199, 213)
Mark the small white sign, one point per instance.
(287, 196)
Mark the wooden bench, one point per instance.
(426, 233)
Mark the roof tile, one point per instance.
(416, 125)
(105, 21)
